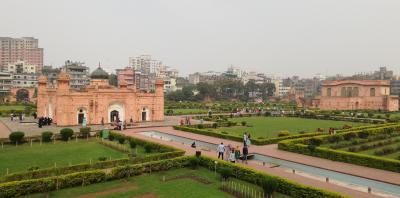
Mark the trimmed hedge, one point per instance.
(19, 188)
(285, 186)
(301, 146)
(275, 140)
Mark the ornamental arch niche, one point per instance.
(116, 111)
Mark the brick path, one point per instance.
(271, 150)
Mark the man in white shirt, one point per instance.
(221, 150)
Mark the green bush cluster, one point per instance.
(19, 188)
(46, 136)
(284, 186)
(16, 137)
(302, 146)
(154, 147)
(240, 138)
(66, 133)
(25, 187)
(85, 131)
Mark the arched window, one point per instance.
(372, 92)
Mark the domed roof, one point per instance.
(99, 73)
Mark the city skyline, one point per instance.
(275, 38)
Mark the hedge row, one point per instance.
(25, 187)
(48, 172)
(154, 146)
(42, 185)
(302, 146)
(255, 141)
(285, 186)
(18, 188)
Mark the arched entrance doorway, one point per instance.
(22, 95)
(114, 116)
(81, 116)
(116, 111)
(145, 114)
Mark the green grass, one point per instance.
(187, 111)
(12, 107)
(21, 157)
(269, 127)
(153, 185)
(370, 151)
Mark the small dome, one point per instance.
(99, 73)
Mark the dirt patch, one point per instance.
(190, 176)
(125, 188)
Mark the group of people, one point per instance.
(186, 121)
(42, 121)
(331, 131)
(233, 154)
(13, 116)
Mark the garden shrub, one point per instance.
(243, 123)
(66, 133)
(269, 186)
(315, 141)
(349, 136)
(46, 136)
(121, 139)
(200, 126)
(102, 159)
(194, 162)
(363, 134)
(16, 137)
(215, 125)
(148, 148)
(111, 137)
(85, 131)
(132, 144)
(283, 133)
(225, 172)
(334, 138)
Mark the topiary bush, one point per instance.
(349, 136)
(16, 137)
(66, 133)
(46, 136)
(363, 134)
(85, 131)
(283, 133)
(243, 123)
(315, 141)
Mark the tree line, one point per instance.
(226, 89)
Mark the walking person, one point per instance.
(245, 153)
(221, 150)
(244, 138)
(228, 150)
(248, 142)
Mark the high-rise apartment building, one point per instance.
(78, 73)
(20, 49)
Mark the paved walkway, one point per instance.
(30, 128)
(271, 150)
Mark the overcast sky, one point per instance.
(280, 37)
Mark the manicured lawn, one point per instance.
(270, 126)
(370, 149)
(187, 111)
(153, 186)
(24, 156)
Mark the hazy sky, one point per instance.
(280, 37)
